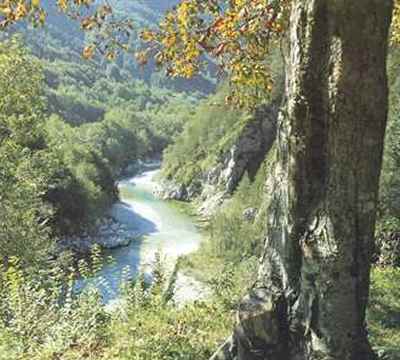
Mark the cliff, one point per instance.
(218, 181)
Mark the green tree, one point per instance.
(24, 163)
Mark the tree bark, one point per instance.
(312, 291)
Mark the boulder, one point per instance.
(109, 234)
(249, 214)
(168, 190)
(112, 242)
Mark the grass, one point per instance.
(167, 333)
(384, 312)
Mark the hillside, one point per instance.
(78, 88)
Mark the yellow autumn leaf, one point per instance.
(21, 11)
(111, 56)
(35, 3)
(88, 52)
(42, 17)
(62, 4)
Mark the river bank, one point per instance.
(108, 232)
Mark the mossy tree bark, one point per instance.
(312, 291)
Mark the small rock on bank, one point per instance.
(188, 290)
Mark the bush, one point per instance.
(388, 230)
(41, 317)
(384, 312)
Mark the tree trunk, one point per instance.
(312, 291)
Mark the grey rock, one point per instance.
(211, 203)
(249, 214)
(112, 242)
(194, 189)
(168, 190)
(109, 234)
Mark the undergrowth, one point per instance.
(43, 318)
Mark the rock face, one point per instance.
(247, 154)
(216, 184)
(168, 190)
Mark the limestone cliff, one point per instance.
(213, 185)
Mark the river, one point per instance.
(163, 229)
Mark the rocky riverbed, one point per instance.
(108, 233)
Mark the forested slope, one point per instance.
(78, 89)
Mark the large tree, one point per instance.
(311, 293)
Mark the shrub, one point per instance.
(384, 312)
(42, 317)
